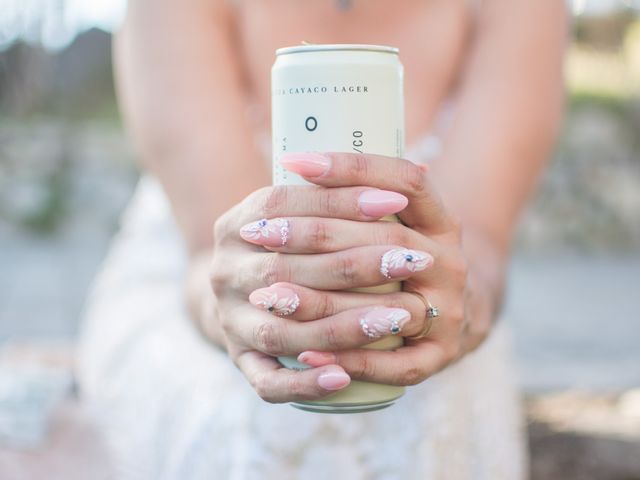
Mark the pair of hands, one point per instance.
(283, 257)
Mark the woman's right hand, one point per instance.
(325, 320)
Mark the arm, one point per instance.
(509, 110)
(181, 93)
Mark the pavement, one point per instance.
(576, 321)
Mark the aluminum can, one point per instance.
(339, 98)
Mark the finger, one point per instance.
(352, 203)
(304, 304)
(355, 267)
(351, 328)
(277, 384)
(322, 235)
(425, 210)
(404, 366)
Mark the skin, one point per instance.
(185, 79)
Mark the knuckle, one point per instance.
(261, 385)
(454, 229)
(329, 202)
(459, 267)
(325, 307)
(414, 178)
(227, 327)
(274, 199)
(297, 387)
(455, 223)
(400, 300)
(319, 237)
(332, 337)
(218, 278)
(365, 368)
(451, 352)
(358, 167)
(269, 338)
(456, 313)
(397, 234)
(478, 331)
(223, 227)
(412, 375)
(347, 270)
(255, 200)
(219, 228)
(273, 269)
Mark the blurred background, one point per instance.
(67, 171)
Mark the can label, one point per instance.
(341, 108)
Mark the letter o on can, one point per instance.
(311, 124)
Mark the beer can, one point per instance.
(339, 98)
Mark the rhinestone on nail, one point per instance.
(278, 305)
(402, 257)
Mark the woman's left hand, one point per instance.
(465, 311)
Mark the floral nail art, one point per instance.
(281, 301)
(266, 230)
(384, 321)
(404, 260)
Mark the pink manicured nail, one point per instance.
(333, 379)
(400, 262)
(306, 164)
(271, 233)
(383, 321)
(315, 358)
(278, 300)
(378, 203)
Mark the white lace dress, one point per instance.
(175, 407)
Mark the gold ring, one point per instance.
(431, 312)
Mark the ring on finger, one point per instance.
(431, 312)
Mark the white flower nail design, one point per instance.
(403, 258)
(270, 301)
(265, 228)
(384, 321)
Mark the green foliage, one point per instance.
(53, 209)
(617, 104)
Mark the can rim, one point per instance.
(329, 47)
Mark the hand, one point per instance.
(253, 337)
(445, 280)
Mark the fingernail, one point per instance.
(279, 300)
(306, 164)
(384, 321)
(315, 358)
(271, 233)
(333, 379)
(400, 262)
(378, 203)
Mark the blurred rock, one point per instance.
(589, 198)
(576, 435)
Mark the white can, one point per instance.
(339, 98)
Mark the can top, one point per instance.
(329, 47)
